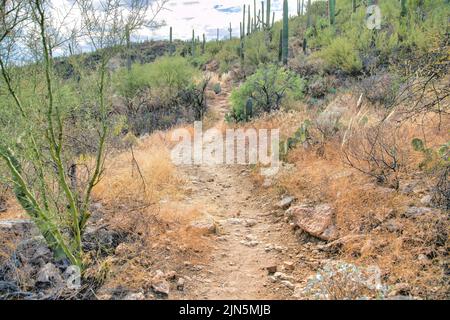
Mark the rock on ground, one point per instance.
(317, 221)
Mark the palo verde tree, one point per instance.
(37, 105)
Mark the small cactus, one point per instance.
(249, 109)
(418, 145)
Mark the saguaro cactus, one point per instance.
(404, 9)
(231, 31)
(193, 44)
(285, 44)
(217, 39)
(249, 21)
(203, 44)
(171, 42)
(243, 22)
(255, 21)
(268, 15)
(241, 46)
(280, 47)
(308, 15)
(332, 11)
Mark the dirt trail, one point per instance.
(250, 236)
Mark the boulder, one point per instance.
(317, 221)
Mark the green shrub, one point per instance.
(342, 55)
(267, 88)
(165, 78)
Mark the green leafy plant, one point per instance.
(267, 88)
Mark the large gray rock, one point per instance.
(317, 221)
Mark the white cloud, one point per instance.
(204, 16)
(201, 15)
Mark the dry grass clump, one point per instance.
(141, 175)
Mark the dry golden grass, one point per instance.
(362, 206)
(158, 226)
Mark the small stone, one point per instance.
(288, 265)
(426, 200)
(282, 276)
(206, 224)
(171, 275)
(288, 284)
(250, 223)
(400, 289)
(414, 212)
(48, 275)
(180, 284)
(285, 203)
(272, 269)
(135, 296)
(267, 183)
(161, 288)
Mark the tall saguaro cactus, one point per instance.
(308, 15)
(255, 21)
(193, 44)
(249, 21)
(203, 44)
(268, 15)
(231, 31)
(332, 11)
(404, 9)
(243, 22)
(285, 43)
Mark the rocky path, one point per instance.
(250, 237)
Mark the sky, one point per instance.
(204, 16)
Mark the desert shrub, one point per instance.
(164, 78)
(266, 88)
(378, 152)
(328, 122)
(341, 55)
(381, 89)
(257, 51)
(228, 55)
(194, 98)
(213, 48)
